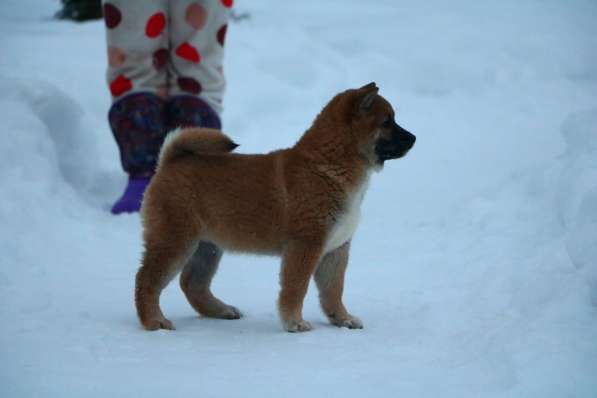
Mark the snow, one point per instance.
(474, 268)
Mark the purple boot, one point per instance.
(189, 111)
(137, 122)
(130, 201)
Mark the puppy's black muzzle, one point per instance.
(396, 146)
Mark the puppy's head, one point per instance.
(377, 135)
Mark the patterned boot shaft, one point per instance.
(190, 111)
(137, 122)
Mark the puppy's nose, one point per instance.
(407, 139)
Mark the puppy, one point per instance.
(301, 203)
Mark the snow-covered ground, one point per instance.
(474, 268)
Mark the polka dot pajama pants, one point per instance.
(164, 71)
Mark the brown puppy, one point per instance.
(302, 203)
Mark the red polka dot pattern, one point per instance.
(120, 85)
(188, 52)
(112, 16)
(160, 58)
(227, 3)
(189, 85)
(162, 91)
(155, 25)
(196, 15)
(116, 57)
(222, 34)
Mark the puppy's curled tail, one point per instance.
(194, 141)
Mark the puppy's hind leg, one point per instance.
(329, 278)
(195, 282)
(163, 258)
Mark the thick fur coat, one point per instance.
(301, 203)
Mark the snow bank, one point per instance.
(578, 193)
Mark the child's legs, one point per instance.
(196, 36)
(137, 39)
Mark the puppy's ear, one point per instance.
(370, 86)
(367, 96)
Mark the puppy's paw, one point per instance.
(293, 326)
(348, 321)
(155, 324)
(227, 312)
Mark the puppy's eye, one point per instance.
(388, 122)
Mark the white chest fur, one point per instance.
(347, 222)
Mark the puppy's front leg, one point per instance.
(329, 278)
(299, 261)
